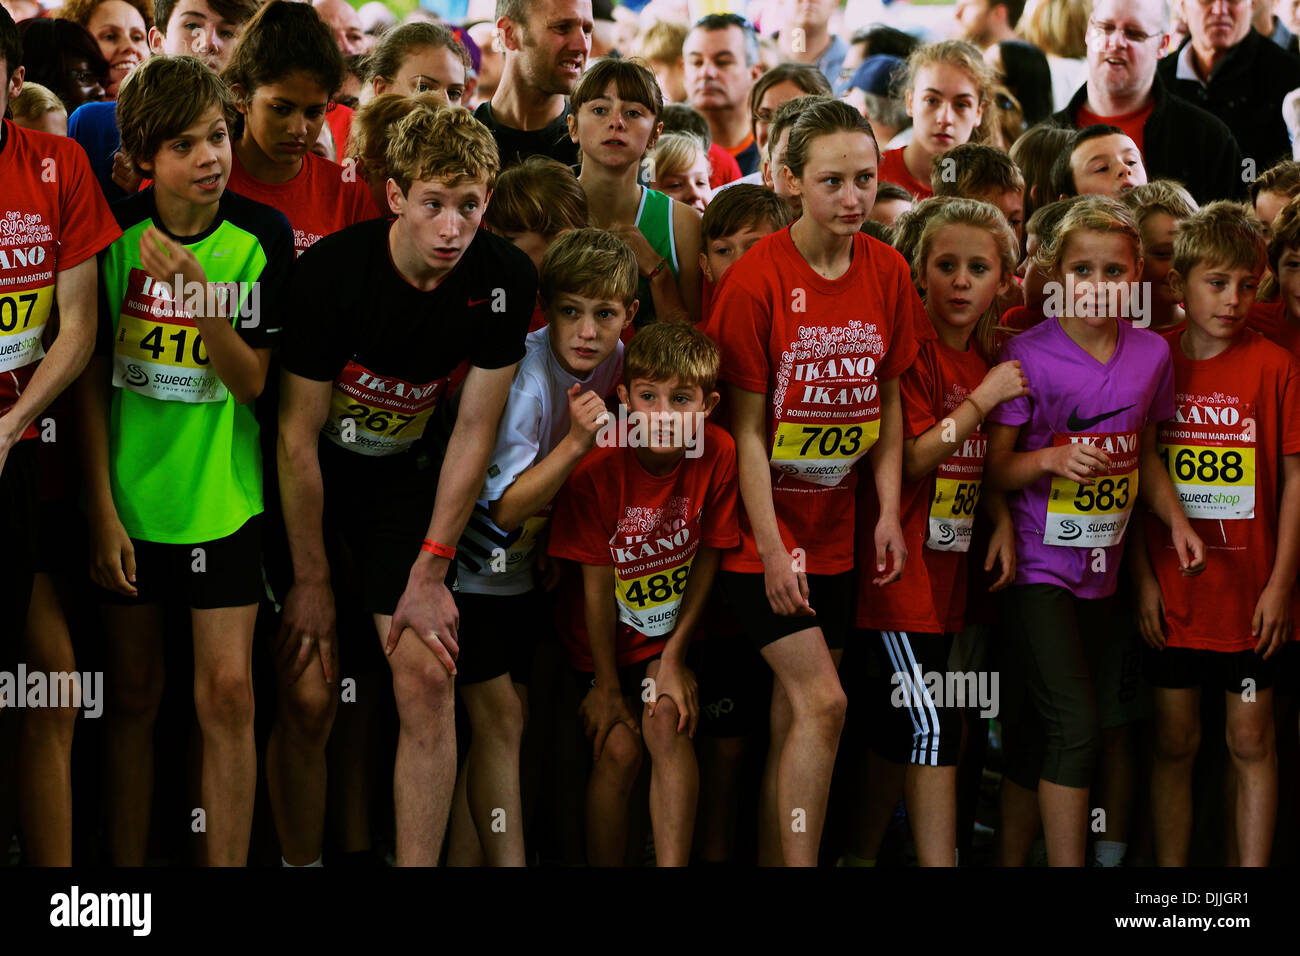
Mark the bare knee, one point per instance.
(307, 709)
(224, 700)
(499, 721)
(136, 690)
(660, 730)
(1177, 741)
(423, 690)
(1250, 743)
(621, 755)
(824, 707)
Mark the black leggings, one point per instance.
(1054, 644)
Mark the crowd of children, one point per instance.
(523, 494)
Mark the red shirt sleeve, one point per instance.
(919, 387)
(577, 531)
(905, 313)
(1290, 430)
(743, 324)
(86, 224)
(721, 529)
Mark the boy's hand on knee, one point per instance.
(600, 710)
(676, 681)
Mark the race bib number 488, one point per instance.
(650, 603)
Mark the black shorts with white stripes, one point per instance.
(915, 723)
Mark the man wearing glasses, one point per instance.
(1235, 73)
(1177, 139)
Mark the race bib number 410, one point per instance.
(1096, 515)
(157, 351)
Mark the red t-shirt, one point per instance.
(723, 167)
(339, 118)
(818, 349)
(612, 511)
(317, 202)
(52, 217)
(1270, 320)
(1237, 415)
(894, 170)
(1021, 318)
(1131, 123)
(938, 512)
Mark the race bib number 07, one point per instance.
(22, 321)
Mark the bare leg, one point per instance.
(424, 775)
(1178, 737)
(135, 685)
(806, 672)
(1253, 747)
(223, 700)
(45, 747)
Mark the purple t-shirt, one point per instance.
(1059, 523)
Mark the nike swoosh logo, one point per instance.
(473, 302)
(1077, 424)
(223, 252)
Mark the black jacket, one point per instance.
(1246, 92)
(1183, 142)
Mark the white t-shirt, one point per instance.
(535, 420)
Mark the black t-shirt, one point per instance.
(516, 145)
(388, 347)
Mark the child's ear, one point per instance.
(573, 127)
(704, 266)
(711, 402)
(907, 101)
(623, 396)
(241, 97)
(1175, 280)
(631, 312)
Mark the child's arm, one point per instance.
(1146, 586)
(787, 590)
(674, 680)
(65, 359)
(689, 240)
(927, 451)
(308, 619)
(1158, 493)
(664, 292)
(1271, 622)
(112, 560)
(241, 368)
(887, 468)
(1011, 470)
(1002, 543)
(427, 606)
(603, 707)
(535, 488)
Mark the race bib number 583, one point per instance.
(1096, 515)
